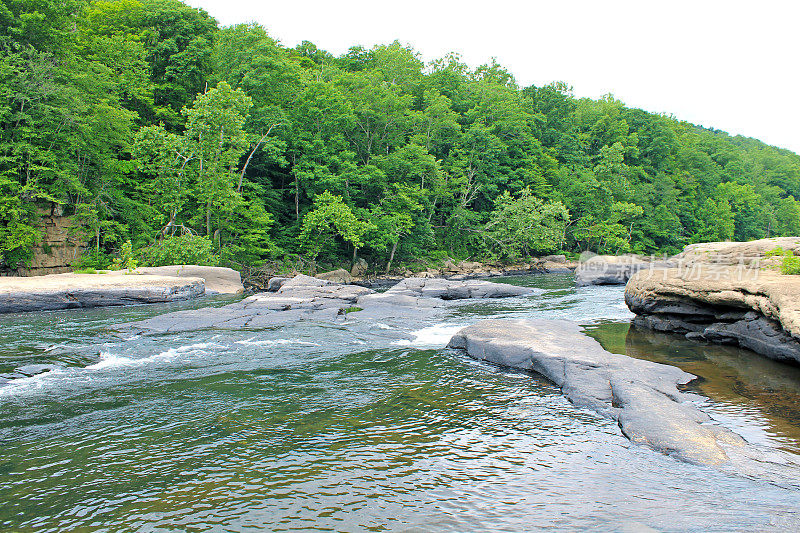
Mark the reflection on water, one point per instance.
(322, 427)
(759, 397)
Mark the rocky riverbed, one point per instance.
(307, 298)
(643, 397)
(319, 418)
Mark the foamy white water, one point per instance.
(432, 337)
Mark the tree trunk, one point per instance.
(391, 256)
(208, 219)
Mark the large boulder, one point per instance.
(642, 396)
(339, 275)
(69, 291)
(218, 280)
(752, 308)
(275, 283)
(360, 268)
(613, 270)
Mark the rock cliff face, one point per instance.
(642, 396)
(752, 308)
(59, 247)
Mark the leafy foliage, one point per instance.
(185, 249)
(145, 122)
(519, 227)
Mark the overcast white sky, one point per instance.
(728, 64)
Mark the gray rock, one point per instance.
(308, 298)
(69, 291)
(299, 298)
(613, 270)
(450, 289)
(337, 276)
(360, 268)
(640, 395)
(276, 283)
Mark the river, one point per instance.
(320, 427)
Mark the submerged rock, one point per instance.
(755, 309)
(642, 396)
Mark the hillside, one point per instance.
(145, 121)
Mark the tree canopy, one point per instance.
(145, 121)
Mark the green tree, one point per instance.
(330, 219)
(525, 225)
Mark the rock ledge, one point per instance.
(755, 309)
(642, 396)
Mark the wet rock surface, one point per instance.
(754, 309)
(642, 396)
(309, 298)
(449, 289)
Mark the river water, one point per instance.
(316, 427)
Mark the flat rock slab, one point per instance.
(218, 280)
(737, 253)
(307, 298)
(69, 291)
(642, 396)
(755, 309)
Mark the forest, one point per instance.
(169, 138)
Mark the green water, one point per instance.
(325, 428)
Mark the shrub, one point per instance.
(125, 258)
(791, 264)
(92, 261)
(775, 252)
(179, 250)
